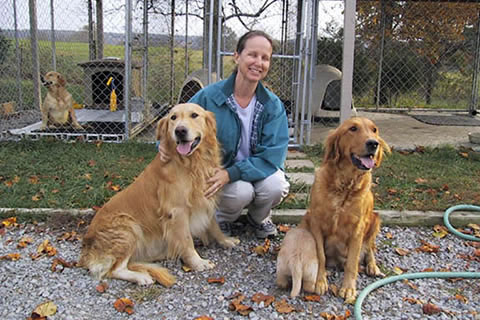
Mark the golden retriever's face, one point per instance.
(53, 78)
(188, 125)
(356, 141)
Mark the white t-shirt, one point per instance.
(245, 115)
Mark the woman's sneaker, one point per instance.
(263, 230)
(226, 228)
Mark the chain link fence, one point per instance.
(409, 55)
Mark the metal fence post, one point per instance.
(347, 61)
(52, 36)
(18, 58)
(476, 64)
(35, 56)
(128, 65)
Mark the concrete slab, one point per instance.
(301, 177)
(299, 163)
(294, 154)
(403, 132)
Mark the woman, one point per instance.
(252, 128)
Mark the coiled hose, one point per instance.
(421, 275)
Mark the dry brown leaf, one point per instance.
(260, 297)
(45, 248)
(69, 236)
(46, 309)
(236, 305)
(24, 242)
(402, 252)
(33, 180)
(11, 257)
(410, 284)
(413, 301)
(220, 280)
(283, 228)
(124, 305)
(398, 270)
(101, 287)
(313, 297)
(186, 268)
(428, 247)
(440, 231)
(283, 307)
(421, 181)
(430, 308)
(10, 222)
(388, 235)
(203, 318)
(329, 316)
(461, 298)
(262, 250)
(59, 261)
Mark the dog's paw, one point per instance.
(321, 286)
(373, 271)
(229, 242)
(203, 264)
(349, 294)
(144, 279)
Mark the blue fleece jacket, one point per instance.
(269, 131)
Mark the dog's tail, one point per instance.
(158, 273)
(296, 270)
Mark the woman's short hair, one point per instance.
(250, 34)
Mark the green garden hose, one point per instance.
(420, 275)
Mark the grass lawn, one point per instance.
(56, 174)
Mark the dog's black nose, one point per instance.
(371, 145)
(181, 132)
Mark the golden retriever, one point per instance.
(57, 108)
(157, 216)
(340, 221)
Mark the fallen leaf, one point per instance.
(314, 298)
(45, 248)
(102, 287)
(69, 236)
(186, 269)
(11, 257)
(260, 297)
(463, 155)
(461, 298)
(420, 181)
(428, 247)
(388, 235)
(203, 318)
(283, 228)
(46, 309)
(283, 307)
(440, 231)
(36, 197)
(91, 163)
(410, 284)
(413, 300)
(24, 242)
(428, 270)
(430, 308)
(33, 179)
(397, 270)
(124, 305)
(220, 280)
(59, 261)
(236, 305)
(402, 252)
(262, 250)
(9, 222)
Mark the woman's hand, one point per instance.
(217, 181)
(162, 151)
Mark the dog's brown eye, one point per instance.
(194, 115)
(173, 117)
(374, 130)
(353, 129)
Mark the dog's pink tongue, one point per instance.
(367, 162)
(184, 148)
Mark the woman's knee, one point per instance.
(236, 196)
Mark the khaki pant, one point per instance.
(259, 197)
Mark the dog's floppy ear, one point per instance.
(61, 80)
(162, 127)
(332, 149)
(383, 148)
(211, 122)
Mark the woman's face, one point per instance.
(254, 60)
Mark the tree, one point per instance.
(434, 31)
(5, 45)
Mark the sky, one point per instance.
(73, 15)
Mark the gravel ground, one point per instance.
(26, 283)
